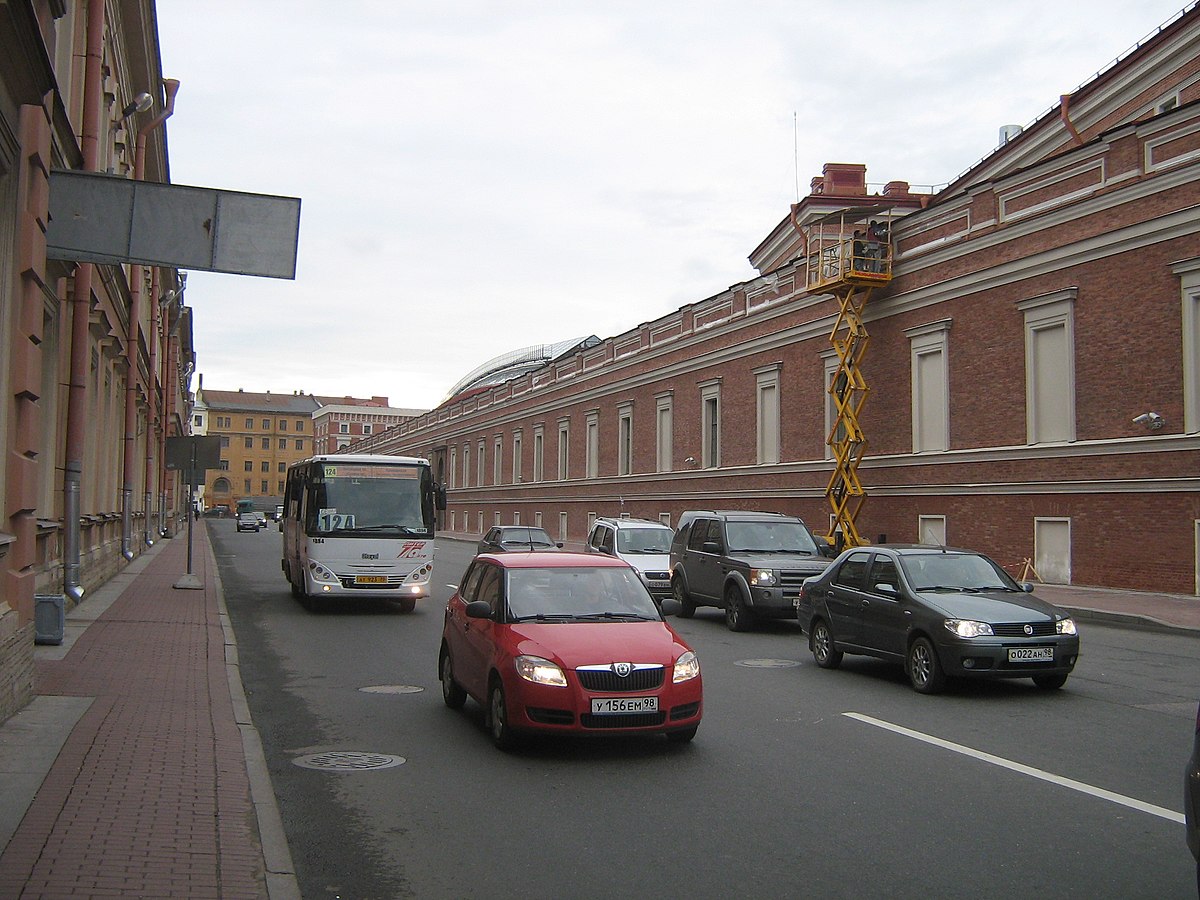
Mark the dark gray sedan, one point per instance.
(509, 538)
(940, 612)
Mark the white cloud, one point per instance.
(480, 176)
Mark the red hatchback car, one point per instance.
(566, 643)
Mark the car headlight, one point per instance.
(1065, 626)
(687, 667)
(965, 628)
(540, 671)
(762, 577)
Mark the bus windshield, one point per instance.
(369, 499)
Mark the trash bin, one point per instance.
(49, 618)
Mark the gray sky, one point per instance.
(481, 176)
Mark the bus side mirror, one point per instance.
(439, 496)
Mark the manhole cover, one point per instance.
(348, 761)
(768, 663)
(392, 689)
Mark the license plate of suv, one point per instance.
(620, 706)
(1031, 654)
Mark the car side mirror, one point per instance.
(1027, 587)
(439, 496)
(670, 606)
(558, 544)
(479, 609)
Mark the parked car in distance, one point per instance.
(1191, 799)
(509, 538)
(566, 643)
(278, 512)
(940, 612)
(248, 521)
(644, 544)
(262, 519)
(751, 564)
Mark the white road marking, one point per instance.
(1150, 808)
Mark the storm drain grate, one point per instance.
(348, 761)
(767, 663)
(392, 689)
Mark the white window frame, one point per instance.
(1189, 289)
(1045, 314)
(664, 436)
(453, 467)
(710, 424)
(562, 526)
(517, 477)
(829, 362)
(539, 452)
(768, 419)
(564, 449)
(625, 438)
(937, 524)
(592, 444)
(466, 468)
(497, 459)
(926, 341)
(480, 463)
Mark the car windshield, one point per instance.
(955, 572)
(579, 593)
(534, 536)
(769, 537)
(644, 540)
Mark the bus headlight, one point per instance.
(320, 573)
(420, 575)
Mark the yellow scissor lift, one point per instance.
(844, 260)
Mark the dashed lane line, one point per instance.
(1169, 815)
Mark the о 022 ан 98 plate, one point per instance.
(1031, 654)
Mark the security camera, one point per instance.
(1152, 420)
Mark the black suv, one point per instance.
(751, 564)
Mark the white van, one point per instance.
(644, 544)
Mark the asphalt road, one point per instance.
(801, 782)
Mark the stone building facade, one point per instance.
(1033, 364)
(95, 360)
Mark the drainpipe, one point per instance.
(1064, 113)
(155, 405)
(81, 302)
(170, 87)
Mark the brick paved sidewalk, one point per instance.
(150, 796)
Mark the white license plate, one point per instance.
(1031, 654)
(619, 706)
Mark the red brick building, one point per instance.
(1033, 365)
